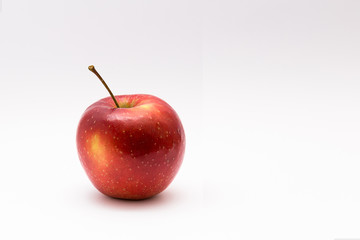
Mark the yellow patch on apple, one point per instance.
(98, 150)
(146, 106)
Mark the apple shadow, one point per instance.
(159, 200)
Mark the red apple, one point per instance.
(131, 146)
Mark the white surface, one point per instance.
(268, 92)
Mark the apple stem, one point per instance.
(92, 69)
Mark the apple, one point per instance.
(131, 146)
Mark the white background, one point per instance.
(268, 92)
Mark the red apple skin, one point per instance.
(131, 153)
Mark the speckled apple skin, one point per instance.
(131, 153)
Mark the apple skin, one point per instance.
(131, 152)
